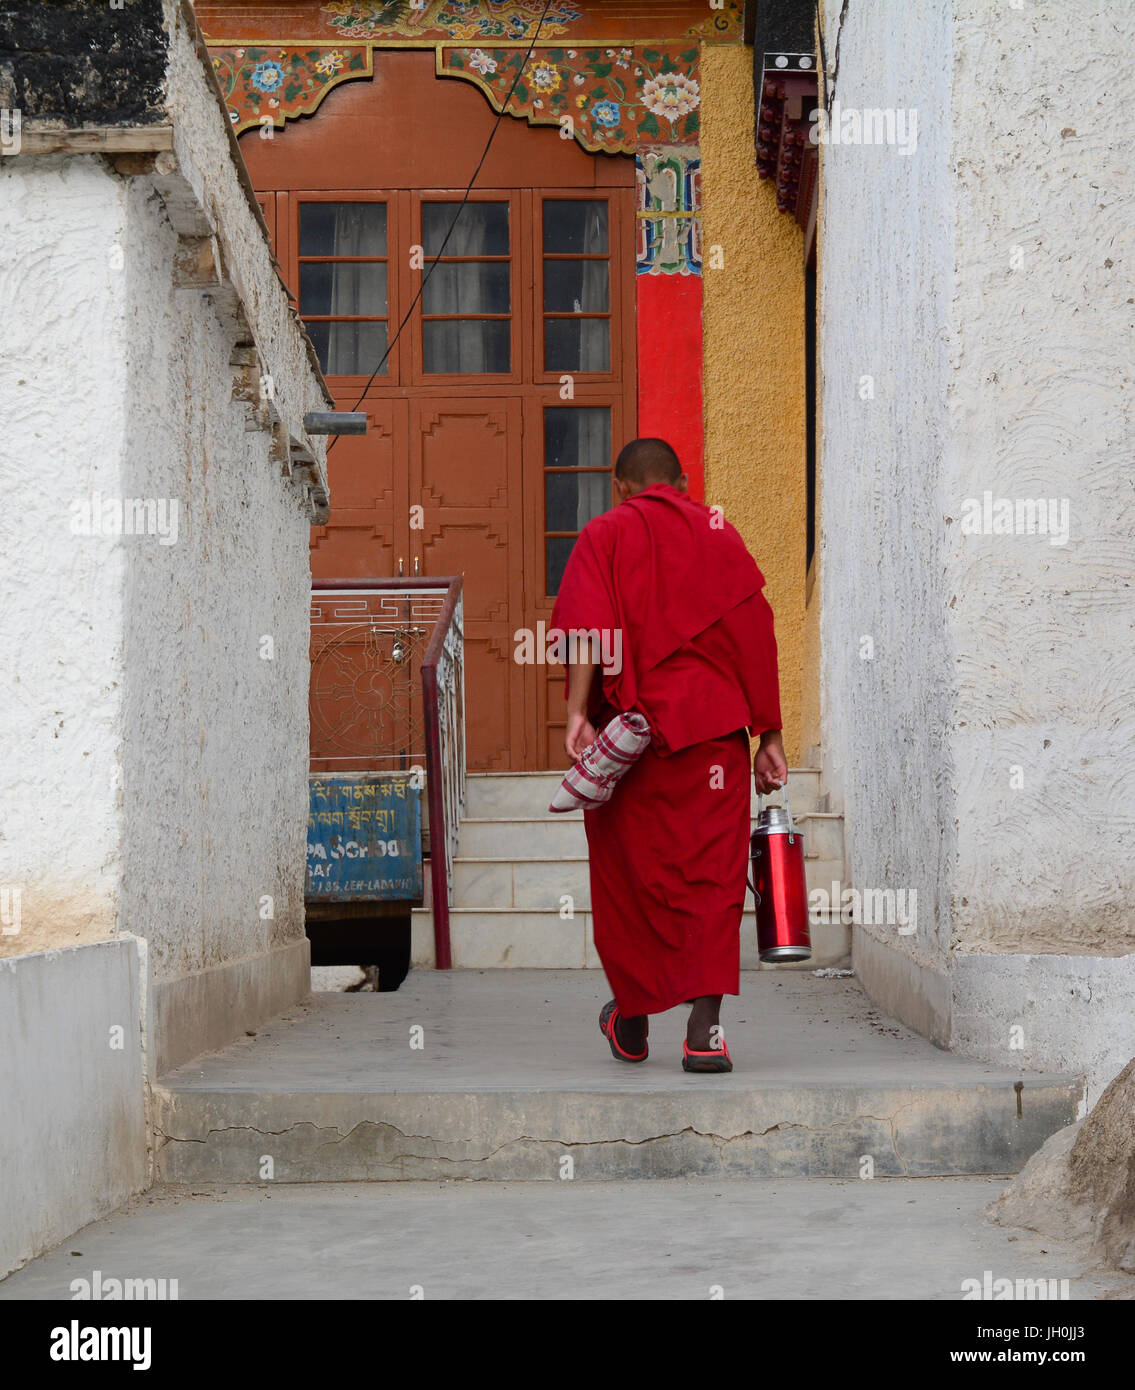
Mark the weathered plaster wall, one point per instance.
(753, 375)
(214, 734)
(985, 753)
(63, 391)
(156, 757)
(1041, 385)
(888, 673)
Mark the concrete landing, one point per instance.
(513, 1079)
(763, 1239)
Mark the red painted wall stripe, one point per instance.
(668, 313)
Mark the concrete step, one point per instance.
(521, 939)
(564, 836)
(503, 1075)
(512, 938)
(540, 885)
(526, 795)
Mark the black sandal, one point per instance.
(608, 1016)
(717, 1060)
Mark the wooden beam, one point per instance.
(142, 139)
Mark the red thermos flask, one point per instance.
(779, 885)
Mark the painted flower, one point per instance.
(545, 78)
(582, 99)
(234, 116)
(480, 62)
(330, 63)
(571, 53)
(266, 77)
(624, 58)
(606, 113)
(670, 94)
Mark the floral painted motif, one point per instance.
(482, 63)
(282, 83)
(616, 98)
(330, 63)
(606, 113)
(672, 95)
(266, 77)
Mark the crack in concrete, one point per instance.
(718, 1140)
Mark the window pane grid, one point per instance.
(344, 271)
(466, 302)
(577, 480)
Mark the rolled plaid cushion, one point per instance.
(594, 776)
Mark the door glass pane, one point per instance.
(466, 345)
(577, 437)
(481, 230)
(556, 554)
(335, 287)
(572, 499)
(577, 345)
(574, 287)
(575, 227)
(349, 349)
(469, 287)
(342, 229)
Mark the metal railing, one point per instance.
(388, 694)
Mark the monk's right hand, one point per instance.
(578, 736)
(770, 766)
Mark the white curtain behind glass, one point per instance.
(464, 289)
(356, 289)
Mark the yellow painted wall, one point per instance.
(753, 319)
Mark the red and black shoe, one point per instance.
(717, 1060)
(608, 1017)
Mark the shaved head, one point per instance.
(647, 461)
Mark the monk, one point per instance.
(670, 585)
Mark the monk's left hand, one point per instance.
(770, 767)
(579, 735)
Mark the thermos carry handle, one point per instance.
(787, 808)
(791, 833)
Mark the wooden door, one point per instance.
(465, 470)
(458, 472)
(369, 523)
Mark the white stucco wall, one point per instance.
(155, 767)
(72, 1107)
(985, 756)
(213, 736)
(63, 403)
(885, 280)
(1041, 387)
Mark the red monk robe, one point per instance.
(669, 851)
